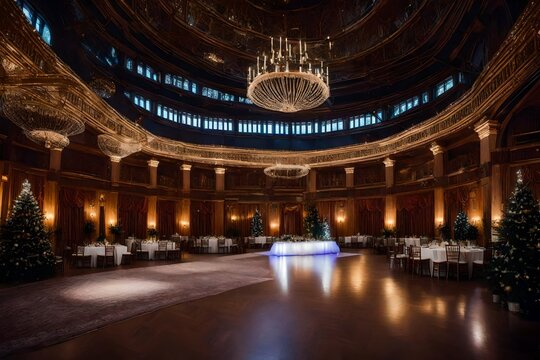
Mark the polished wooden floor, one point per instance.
(320, 308)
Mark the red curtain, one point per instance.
(455, 200)
(71, 217)
(415, 215)
(37, 183)
(242, 215)
(202, 218)
(166, 217)
(291, 219)
(132, 214)
(369, 216)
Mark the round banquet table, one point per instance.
(213, 244)
(466, 254)
(151, 247)
(94, 251)
(286, 248)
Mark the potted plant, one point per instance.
(444, 232)
(116, 231)
(89, 228)
(152, 233)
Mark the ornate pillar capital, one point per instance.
(389, 162)
(153, 163)
(186, 167)
(486, 128)
(436, 149)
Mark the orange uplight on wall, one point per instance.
(274, 225)
(234, 218)
(184, 223)
(341, 219)
(390, 223)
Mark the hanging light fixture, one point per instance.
(288, 80)
(286, 171)
(42, 117)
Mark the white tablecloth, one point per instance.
(213, 244)
(439, 254)
(361, 239)
(151, 247)
(412, 241)
(94, 251)
(260, 240)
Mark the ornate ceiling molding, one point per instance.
(516, 60)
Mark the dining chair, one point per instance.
(205, 246)
(161, 252)
(82, 260)
(176, 253)
(453, 260)
(399, 257)
(140, 254)
(222, 248)
(415, 260)
(108, 258)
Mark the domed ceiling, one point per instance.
(382, 52)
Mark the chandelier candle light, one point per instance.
(287, 80)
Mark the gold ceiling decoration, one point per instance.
(285, 171)
(118, 147)
(288, 80)
(42, 116)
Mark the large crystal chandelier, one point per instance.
(288, 80)
(286, 171)
(42, 117)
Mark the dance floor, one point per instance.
(320, 307)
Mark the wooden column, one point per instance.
(184, 205)
(438, 192)
(350, 217)
(186, 178)
(390, 212)
(151, 219)
(55, 159)
(115, 170)
(219, 205)
(490, 187)
(152, 168)
(311, 182)
(349, 177)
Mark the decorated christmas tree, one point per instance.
(312, 223)
(25, 249)
(461, 227)
(325, 229)
(514, 271)
(257, 224)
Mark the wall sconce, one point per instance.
(101, 199)
(234, 218)
(151, 225)
(274, 225)
(341, 219)
(4, 178)
(389, 223)
(475, 220)
(92, 215)
(184, 223)
(439, 221)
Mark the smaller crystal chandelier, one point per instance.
(288, 80)
(117, 147)
(286, 171)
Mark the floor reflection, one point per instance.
(322, 266)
